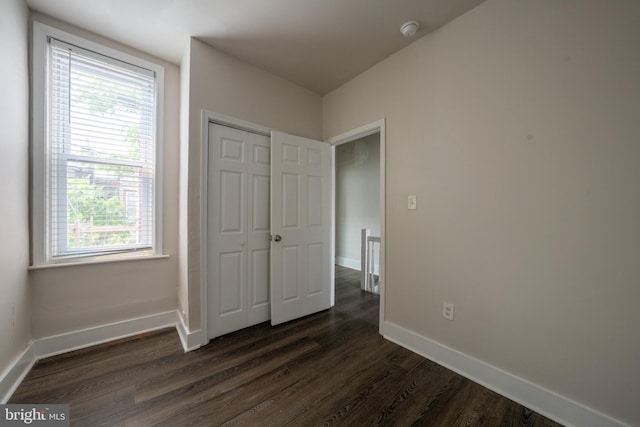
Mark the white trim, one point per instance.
(369, 129)
(15, 373)
(357, 133)
(38, 151)
(190, 340)
(99, 260)
(354, 264)
(206, 118)
(204, 228)
(158, 210)
(57, 344)
(545, 402)
(541, 400)
(223, 120)
(64, 343)
(64, 36)
(332, 247)
(41, 33)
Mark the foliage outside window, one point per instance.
(99, 153)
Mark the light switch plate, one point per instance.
(412, 202)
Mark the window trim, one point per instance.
(41, 236)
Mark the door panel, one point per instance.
(260, 212)
(290, 201)
(238, 231)
(301, 215)
(231, 149)
(314, 158)
(232, 206)
(258, 236)
(315, 262)
(314, 201)
(231, 283)
(290, 154)
(290, 273)
(260, 282)
(246, 205)
(262, 155)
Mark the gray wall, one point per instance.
(357, 196)
(518, 128)
(71, 298)
(15, 310)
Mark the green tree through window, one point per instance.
(103, 153)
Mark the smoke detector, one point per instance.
(409, 28)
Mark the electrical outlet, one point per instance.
(447, 310)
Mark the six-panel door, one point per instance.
(300, 214)
(238, 229)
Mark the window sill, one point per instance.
(99, 260)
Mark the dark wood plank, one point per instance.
(330, 368)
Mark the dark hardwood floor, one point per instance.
(326, 369)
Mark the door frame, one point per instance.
(208, 117)
(377, 126)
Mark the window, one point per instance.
(95, 150)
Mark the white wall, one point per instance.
(357, 196)
(15, 330)
(225, 85)
(70, 298)
(518, 127)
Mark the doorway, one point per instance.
(374, 127)
(358, 208)
(377, 127)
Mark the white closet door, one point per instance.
(238, 229)
(259, 229)
(301, 227)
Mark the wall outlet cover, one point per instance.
(412, 202)
(448, 310)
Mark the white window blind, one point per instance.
(100, 153)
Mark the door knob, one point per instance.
(277, 238)
(241, 242)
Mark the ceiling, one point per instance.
(318, 44)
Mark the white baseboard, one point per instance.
(190, 340)
(545, 402)
(63, 343)
(15, 373)
(354, 264)
(349, 262)
(57, 344)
